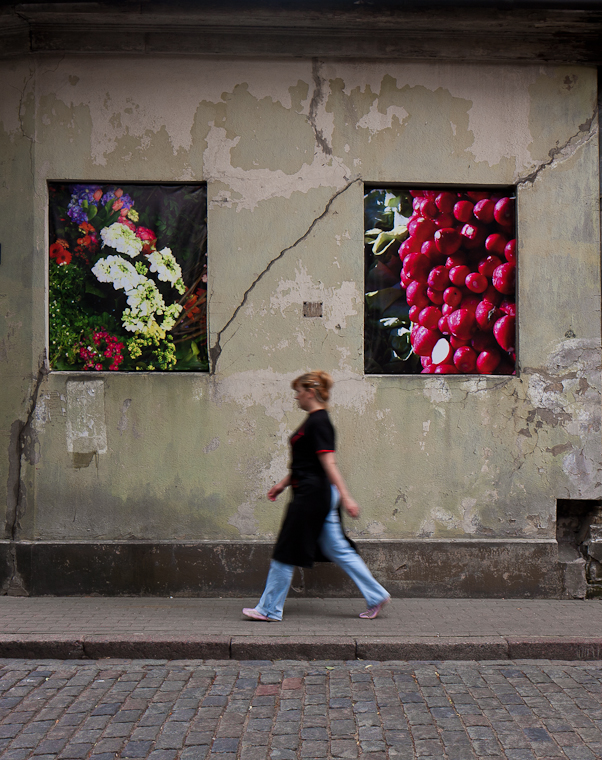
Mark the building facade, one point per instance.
(154, 482)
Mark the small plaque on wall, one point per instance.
(312, 308)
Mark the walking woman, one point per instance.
(312, 523)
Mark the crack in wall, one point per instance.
(216, 350)
(568, 149)
(23, 436)
(316, 100)
(22, 93)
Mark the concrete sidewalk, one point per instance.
(408, 629)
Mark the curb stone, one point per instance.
(383, 648)
(432, 648)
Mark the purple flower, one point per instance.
(126, 201)
(81, 194)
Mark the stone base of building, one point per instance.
(408, 568)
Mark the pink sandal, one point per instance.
(254, 614)
(372, 612)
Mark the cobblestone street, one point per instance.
(192, 710)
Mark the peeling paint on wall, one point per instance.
(339, 303)
(86, 428)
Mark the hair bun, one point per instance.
(320, 381)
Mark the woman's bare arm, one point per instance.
(329, 463)
(274, 491)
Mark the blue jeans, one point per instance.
(336, 548)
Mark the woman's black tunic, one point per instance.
(297, 542)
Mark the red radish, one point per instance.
(442, 352)
(488, 265)
(446, 202)
(438, 278)
(405, 280)
(463, 211)
(504, 278)
(417, 205)
(457, 343)
(447, 309)
(504, 212)
(496, 243)
(416, 294)
(424, 341)
(474, 235)
(504, 331)
(435, 296)
(425, 361)
(486, 315)
(487, 361)
(445, 220)
(476, 282)
(457, 275)
(457, 260)
(452, 296)
(414, 312)
(483, 210)
(492, 295)
(470, 302)
(430, 370)
(429, 209)
(446, 369)
(429, 317)
(443, 326)
(462, 323)
(417, 266)
(508, 307)
(447, 240)
(409, 246)
(421, 229)
(510, 251)
(477, 195)
(483, 341)
(465, 359)
(430, 249)
(417, 193)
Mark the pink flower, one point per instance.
(123, 213)
(128, 223)
(118, 194)
(145, 234)
(117, 205)
(97, 194)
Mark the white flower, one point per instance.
(167, 268)
(132, 322)
(170, 316)
(145, 299)
(119, 272)
(122, 238)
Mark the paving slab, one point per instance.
(408, 629)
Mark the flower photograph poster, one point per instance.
(127, 277)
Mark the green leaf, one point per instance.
(91, 288)
(389, 323)
(401, 344)
(194, 348)
(382, 299)
(394, 202)
(92, 211)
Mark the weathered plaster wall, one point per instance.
(285, 148)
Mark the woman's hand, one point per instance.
(351, 506)
(276, 490)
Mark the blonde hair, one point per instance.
(318, 380)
